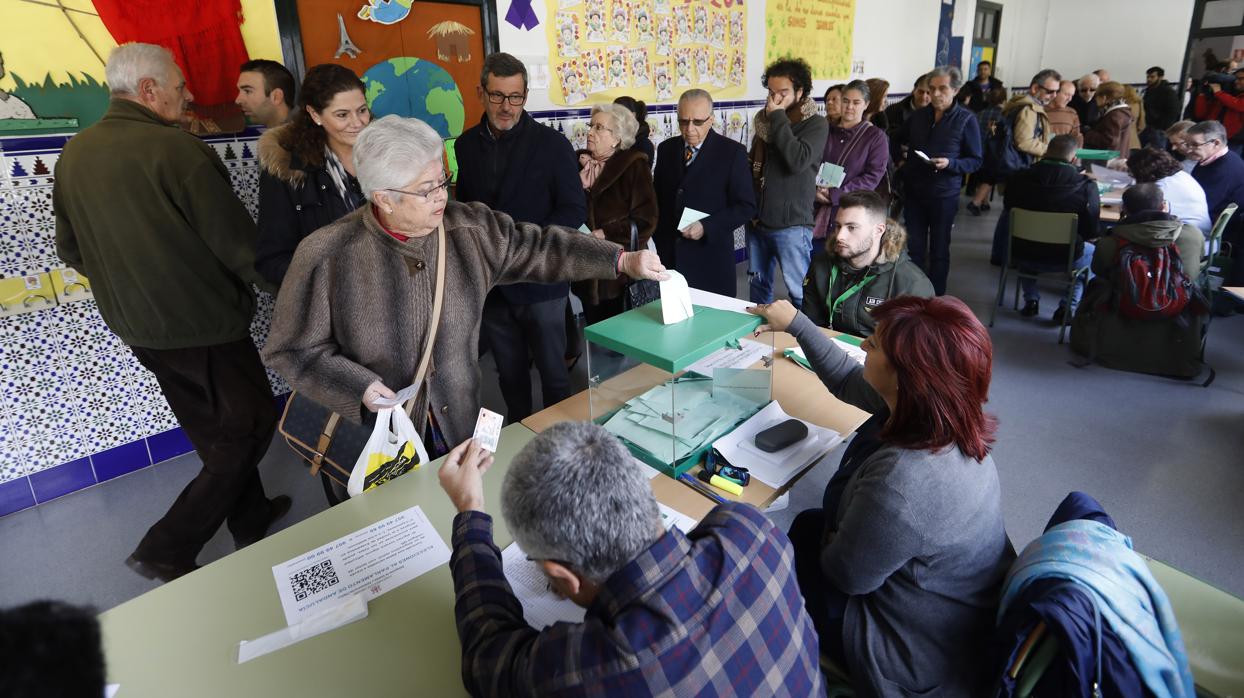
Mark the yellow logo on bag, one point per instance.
(381, 468)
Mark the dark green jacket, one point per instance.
(147, 212)
(894, 275)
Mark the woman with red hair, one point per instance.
(902, 568)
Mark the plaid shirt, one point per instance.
(715, 613)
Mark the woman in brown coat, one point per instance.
(1111, 132)
(618, 184)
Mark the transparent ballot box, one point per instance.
(669, 391)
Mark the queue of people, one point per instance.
(897, 576)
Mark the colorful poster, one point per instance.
(818, 31)
(648, 49)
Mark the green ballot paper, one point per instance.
(585, 230)
(830, 175)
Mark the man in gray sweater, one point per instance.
(786, 152)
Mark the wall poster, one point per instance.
(818, 31)
(652, 50)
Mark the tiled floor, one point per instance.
(1163, 456)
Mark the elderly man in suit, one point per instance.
(705, 171)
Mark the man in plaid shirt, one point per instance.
(716, 612)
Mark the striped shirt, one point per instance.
(716, 612)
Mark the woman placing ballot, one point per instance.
(902, 568)
(358, 302)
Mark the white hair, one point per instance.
(392, 151)
(1091, 79)
(128, 64)
(624, 124)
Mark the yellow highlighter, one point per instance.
(722, 483)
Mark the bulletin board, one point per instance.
(819, 31)
(651, 50)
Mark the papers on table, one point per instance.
(778, 468)
(675, 298)
(111, 690)
(751, 385)
(796, 354)
(1114, 178)
(709, 299)
(353, 608)
(370, 561)
(689, 216)
(542, 606)
(748, 353)
(830, 175)
(670, 430)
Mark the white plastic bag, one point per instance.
(393, 449)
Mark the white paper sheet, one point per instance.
(328, 618)
(542, 607)
(709, 299)
(778, 468)
(675, 298)
(672, 517)
(402, 396)
(729, 357)
(689, 216)
(111, 690)
(371, 561)
(920, 154)
(1112, 177)
(856, 353)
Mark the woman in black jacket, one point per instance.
(306, 178)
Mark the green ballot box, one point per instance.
(669, 391)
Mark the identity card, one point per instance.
(488, 429)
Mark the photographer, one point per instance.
(1221, 98)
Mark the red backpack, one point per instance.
(1153, 285)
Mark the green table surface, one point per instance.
(641, 334)
(181, 639)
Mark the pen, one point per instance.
(698, 487)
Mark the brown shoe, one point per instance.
(161, 571)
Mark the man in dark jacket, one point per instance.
(864, 265)
(147, 212)
(513, 164)
(949, 138)
(1220, 172)
(1053, 184)
(974, 94)
(1162, 104)
(786, 152)
(708, 172)
(898, 113)
(1084, 102)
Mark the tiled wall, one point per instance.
(77, 408)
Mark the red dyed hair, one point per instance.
(943, 357)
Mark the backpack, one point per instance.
(1153, 285)
(1002, 158)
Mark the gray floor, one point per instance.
(1163, 456)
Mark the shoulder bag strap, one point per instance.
(436, 317)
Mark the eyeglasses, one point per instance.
(514, 100)
(430, 192)
(1191, 144)
(1087, 90)
(1047, 90)
(697, 122)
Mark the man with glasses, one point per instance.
(1220, 173)
(1031, 128)
(516, 165)
(1084, 103)
(705, 171)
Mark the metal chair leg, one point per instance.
(993, 311)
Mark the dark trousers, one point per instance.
(602, 311)
(825, 603)
(519, 334)
(221, 396)
(929, 222)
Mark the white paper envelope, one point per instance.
(675, 298)
(689, 216)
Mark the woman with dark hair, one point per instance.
(860, 149)
(878, 89)
(833, 104)
(643, 137)
(1184, 195)
(306, 177)
(902, 568)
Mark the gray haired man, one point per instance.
(665, 613)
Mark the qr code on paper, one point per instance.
(313, 580)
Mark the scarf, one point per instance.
(337, 172)
(590, 168)
(795, 112)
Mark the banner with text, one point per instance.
(818, 31)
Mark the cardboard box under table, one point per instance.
(669, 391)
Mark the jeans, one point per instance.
(1029, 286)
(929, 222)
(790, 247)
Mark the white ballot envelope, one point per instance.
(922, 156)
(675, 298)
(689, 216)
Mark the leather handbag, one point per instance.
(329, 444)
(640, 291)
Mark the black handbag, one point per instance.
(329, 444)
(640, 292)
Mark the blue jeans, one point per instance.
(929, 222)
(790, 247)
(1029, 286)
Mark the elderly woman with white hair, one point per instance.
(356, 307)
(618, 184)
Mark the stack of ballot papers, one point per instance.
(674, 419)
(780, 467)
(796, 354)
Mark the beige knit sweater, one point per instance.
(356, 304)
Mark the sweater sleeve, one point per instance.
(1232, 102)
(815, 289)
(212, 209)
(840, 373)
(527, 252)
(797, 152)
(301, 346)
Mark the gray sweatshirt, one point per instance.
(920, 547)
